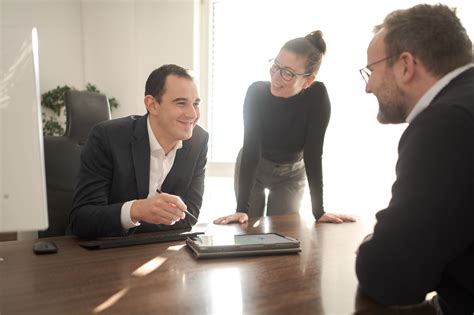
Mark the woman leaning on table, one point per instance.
(285, 121)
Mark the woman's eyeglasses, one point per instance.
(285, 73)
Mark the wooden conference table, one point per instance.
(165, 279)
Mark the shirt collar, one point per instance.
(428, 97)
(154, 144)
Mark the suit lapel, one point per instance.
(178, 167)
(141, 156)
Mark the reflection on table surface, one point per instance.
(165, 278)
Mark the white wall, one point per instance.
(112, 44)
(59, 27)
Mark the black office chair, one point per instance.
(62, 155)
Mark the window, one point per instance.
(359, 153)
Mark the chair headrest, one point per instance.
(83, 110)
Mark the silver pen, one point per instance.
(159, 192)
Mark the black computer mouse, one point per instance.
(44, 247)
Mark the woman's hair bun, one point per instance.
(316, 39)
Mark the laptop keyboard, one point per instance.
(136, 240)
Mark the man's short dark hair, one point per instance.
(155, 84)
(432, 33)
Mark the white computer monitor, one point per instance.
(23, 204)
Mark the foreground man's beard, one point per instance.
(391, 114)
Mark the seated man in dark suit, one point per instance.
(126, 161)
(420, 69)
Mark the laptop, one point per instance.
(213, 246)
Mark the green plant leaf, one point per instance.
(52, 127)
(54, 100)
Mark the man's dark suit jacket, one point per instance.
(424, 240)
(115, 168)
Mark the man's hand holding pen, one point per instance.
(162, 208)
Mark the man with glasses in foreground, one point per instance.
(420, 69)
(126, 161)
